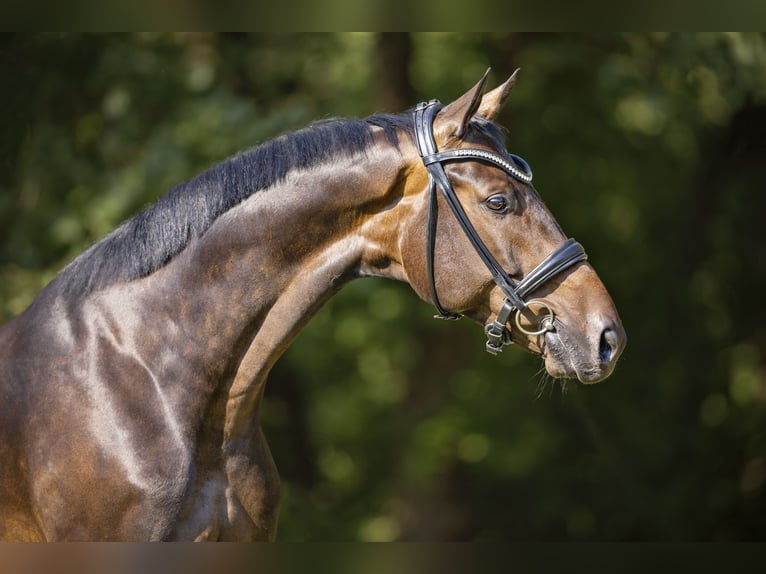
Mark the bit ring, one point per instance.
(546, 322)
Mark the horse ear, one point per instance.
(493, 101)
(453, 120)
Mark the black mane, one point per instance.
(150, 239)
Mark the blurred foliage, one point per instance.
(385, 424)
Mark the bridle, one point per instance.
(566, 255)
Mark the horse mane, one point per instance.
(149, 240)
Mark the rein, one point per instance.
(567, 254)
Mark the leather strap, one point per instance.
(433, 216)
(427, 147)
(567, 254)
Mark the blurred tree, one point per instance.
(393, 86)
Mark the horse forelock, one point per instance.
(495, 133)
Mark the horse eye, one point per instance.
(498, 203)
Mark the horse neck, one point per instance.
(241, 293)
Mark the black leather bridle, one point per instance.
(567, 254)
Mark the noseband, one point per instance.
(567, 254)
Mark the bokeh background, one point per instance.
(650, 149)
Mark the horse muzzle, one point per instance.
(590, 356)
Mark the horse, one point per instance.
(131, 386)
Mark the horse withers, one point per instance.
(131, 386)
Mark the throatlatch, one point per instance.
(567, 254)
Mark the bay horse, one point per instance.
(131, 385)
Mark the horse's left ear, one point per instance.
(452, 121)
(493, 101)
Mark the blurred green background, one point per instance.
(650, 149)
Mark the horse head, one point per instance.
(493, 251)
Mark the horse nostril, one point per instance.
(608, 345)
